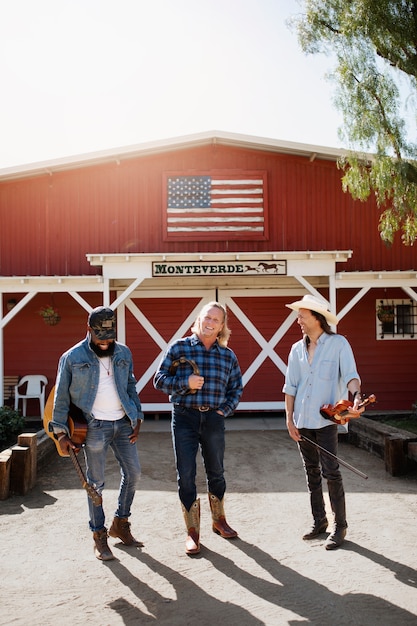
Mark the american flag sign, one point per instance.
(211, 205)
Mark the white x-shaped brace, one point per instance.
(267, 347)
(159, 340)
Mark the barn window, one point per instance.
(396, 319)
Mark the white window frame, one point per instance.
(384, 333)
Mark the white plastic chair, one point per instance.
(33, 386)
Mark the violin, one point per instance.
(339, 414)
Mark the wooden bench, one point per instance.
(412, 450)
(9, 383)
(395, 446)
(18, 466)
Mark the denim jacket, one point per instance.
(78, 378)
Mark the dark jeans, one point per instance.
(192, 430)
(318, 464)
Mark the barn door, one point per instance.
(263, 331)
(153, 320)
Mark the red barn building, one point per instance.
(157, 230)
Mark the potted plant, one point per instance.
(50, 315)
(385, 313)
(12, 424)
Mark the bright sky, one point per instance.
(82, 76)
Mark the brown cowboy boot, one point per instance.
(220, 526)
(192, 523)
(101, 548)
(120, 529)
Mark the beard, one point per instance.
(101, 353)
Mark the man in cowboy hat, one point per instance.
(321, 370)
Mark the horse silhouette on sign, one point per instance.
(272, 268)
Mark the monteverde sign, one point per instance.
(215, 268)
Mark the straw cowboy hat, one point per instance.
(314, 304)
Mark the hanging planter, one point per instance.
(50, 315)
(385, 313)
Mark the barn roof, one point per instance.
(172, 144)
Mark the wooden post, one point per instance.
(30, 440)
(412, 450)
(5, 465)
(20, 470)
(396, 461)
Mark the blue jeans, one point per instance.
(101, 435)
(191, 430)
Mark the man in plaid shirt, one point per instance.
(202, 377)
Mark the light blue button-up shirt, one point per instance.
(323, 381)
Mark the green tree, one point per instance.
(374, 44)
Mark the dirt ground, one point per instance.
(267, 576)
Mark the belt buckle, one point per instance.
(204, 409)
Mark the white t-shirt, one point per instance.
(107, 405)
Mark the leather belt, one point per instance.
(202, 409)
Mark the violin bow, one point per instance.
(341, 461)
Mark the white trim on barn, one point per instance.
(131, 276)
(215, 137)
(30, 286)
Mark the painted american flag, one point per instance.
(211, 205)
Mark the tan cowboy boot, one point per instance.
(120, 529)
(220, 526)
(101, 548)
(192, 523)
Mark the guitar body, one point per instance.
(77, 424)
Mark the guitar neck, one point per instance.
(77, 465)
(92, 493)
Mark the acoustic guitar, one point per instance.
(77, 427)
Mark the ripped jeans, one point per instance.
(101, 435)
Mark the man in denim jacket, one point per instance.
(96, 375)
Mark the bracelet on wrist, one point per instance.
(61, 436)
